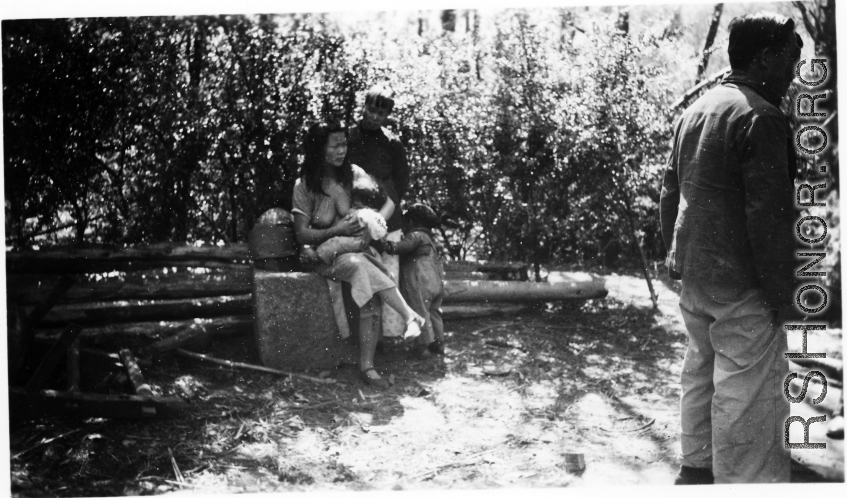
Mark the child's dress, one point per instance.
(422, 280)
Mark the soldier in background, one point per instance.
(381, 154)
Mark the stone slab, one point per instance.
(294, 324)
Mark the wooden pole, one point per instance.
(48, 364)
(73, 367)
(248, 366)
(134, 372)
(637, 244)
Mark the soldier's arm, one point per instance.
(669, 200)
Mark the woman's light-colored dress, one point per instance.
(363, 271)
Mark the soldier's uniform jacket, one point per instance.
(727, 203)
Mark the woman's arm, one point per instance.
(307, 235)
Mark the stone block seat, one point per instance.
(294, 323)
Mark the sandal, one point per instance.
(379, 382)
(413, 327)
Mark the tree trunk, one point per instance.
(448, 20)
(710, 40)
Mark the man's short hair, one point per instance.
(381, 97)
(750, 34)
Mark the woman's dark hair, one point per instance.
(314, 149)
(751, 34)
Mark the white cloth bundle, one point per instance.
(374, 222)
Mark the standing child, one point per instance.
(422, 276)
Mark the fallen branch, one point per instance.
(248, 366)
(504, 345)
(177, 473)
(43, 442)
(648, 424)
(490, 327)
(452, 464)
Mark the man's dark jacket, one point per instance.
(727, 204)
(382, 156)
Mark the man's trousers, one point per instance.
(733, 409)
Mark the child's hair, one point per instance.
(422, 214)
(366, 193)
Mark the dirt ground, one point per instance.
(512, 396)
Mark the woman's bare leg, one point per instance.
(393, 298)
(414, 321)
(368, 336)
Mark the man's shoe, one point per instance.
(692, 475)
(835, 428)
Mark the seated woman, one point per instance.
(326, 181)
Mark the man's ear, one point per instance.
(766, 57)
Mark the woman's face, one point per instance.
(336, 149)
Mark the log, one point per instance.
(229, 325)
(195, 331)
(23, 405)
(134, 258)
(503, 269)
(30, 289)
(171, 309)
(573, 286)
(485, 266)
(42, 308)
(466, 275)
(133, 371)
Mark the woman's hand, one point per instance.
(347, 226)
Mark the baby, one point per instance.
(365, 202)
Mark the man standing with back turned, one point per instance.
(727, 217)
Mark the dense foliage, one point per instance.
(539, 136)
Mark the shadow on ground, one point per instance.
(511, 397)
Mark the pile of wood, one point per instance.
(164, 296)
